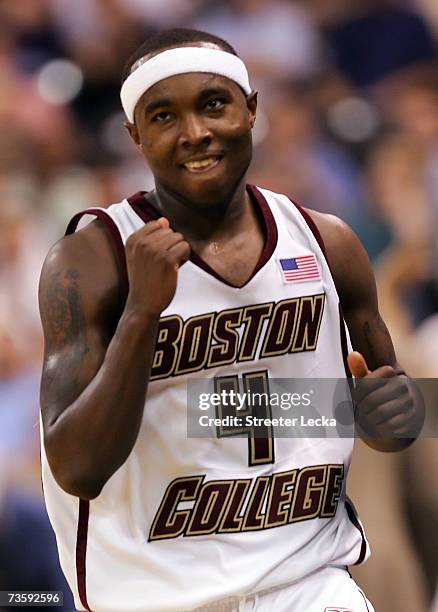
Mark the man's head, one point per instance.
(168, 39)
(191, 110)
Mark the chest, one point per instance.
(233, 260)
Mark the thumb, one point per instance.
(357, 364)
(164, 222)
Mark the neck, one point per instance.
(203, 223)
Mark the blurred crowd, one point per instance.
(347, 124)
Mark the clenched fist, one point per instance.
(386, 407)
(153, 255)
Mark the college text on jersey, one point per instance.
(247, 504)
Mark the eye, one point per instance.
(161, 117)
(215, 104)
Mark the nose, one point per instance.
(194, 131)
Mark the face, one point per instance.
(195, 133)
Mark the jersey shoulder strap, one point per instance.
(117, 242)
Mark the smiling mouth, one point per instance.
(202, 165)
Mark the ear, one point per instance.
(133, 132)
(251, 103)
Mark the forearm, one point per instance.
(93, 436)
(94, 382)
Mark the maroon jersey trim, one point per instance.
(147, 212)
(344, 343)
(365, 599)
(313, 227)
(142, 207)
(81, 551)
(115, 234)
(315, 231)
(84, 505)
(353, 518)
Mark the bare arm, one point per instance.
(95, 379)
(354, 280)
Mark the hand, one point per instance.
(153, 255)
(385, 405)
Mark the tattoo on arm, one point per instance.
(382, 327)
(369, 343)
(64, 318)
(65, 336)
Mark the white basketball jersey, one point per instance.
(187, 521)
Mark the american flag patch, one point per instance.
(303, 268)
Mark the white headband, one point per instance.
(180, 61)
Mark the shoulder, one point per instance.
(336, 234)
(91, 239)
(85, 260)
(348, 260)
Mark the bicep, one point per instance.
(356, 287)
(75, 343)
(368, 332)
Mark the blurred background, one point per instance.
(348, 124)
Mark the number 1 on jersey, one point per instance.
(256, 406)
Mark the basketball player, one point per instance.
(203, 278)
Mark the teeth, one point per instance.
(195, 165)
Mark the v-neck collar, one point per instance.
(147, 212)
